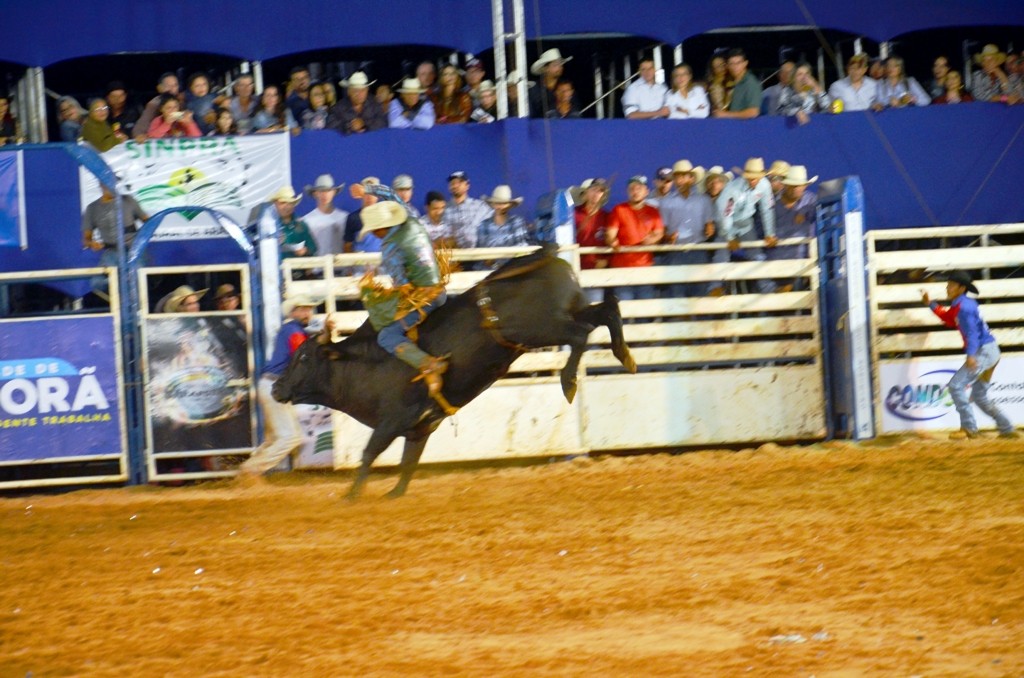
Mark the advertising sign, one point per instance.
(12, 200)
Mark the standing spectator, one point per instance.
(97, 131)
(770, 98)
(409, 110)
(687, 99)
(592, 222)
(123, 115)
(325, 221)
(464, 213)
(714, 182)
(803, 96)
(719, 85)
(168, 84)
(937, 85)
(315, 116)
(224, 124)
(282, 433)
(438, 228)
(740, 200)
(992, 83)
(549, 66)
(745, 101)
(856, 92)
(451, 103)
(293, 234)
(358, 112)
(273, 115)
(402, 185)
(201, 101)
(565, 101)
(297, 100)
(70, 115)
(500, 229)
(9, 132)
(689, 219)
(354, 223)
(795, 213)
(474, 77)
(426, 73)
(172, 122)
(634, 223)
(99, 229)
(227, 298)
(644, 99)
(244, 104)
(662, 186)
(487, 109)
(898, 90)
(954, 92)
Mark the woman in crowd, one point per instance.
(315, 117)
(688, 99)
(803, 95)
(69, 113)
(224, 124)
(451, 103)
(243, 105)
(273, 115)
(896, 90)
(97, 129)
(201, 101)
(955, 92)
(719, 89)
(172, 121)
(8, 125)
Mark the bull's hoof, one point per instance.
(569, 391)
(629, 363)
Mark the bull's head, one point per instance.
(306, 376)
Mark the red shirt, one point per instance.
(590, 233)
(634, 225)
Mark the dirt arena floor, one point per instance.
(897, 558)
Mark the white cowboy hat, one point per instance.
(502, 195)
(754, 167)
(401, 181)
(546, 58)
(357, 81)
(324, 182)
(513, 78)
(718, 171)
(284, 194)
(486, 86)
(682, 167)
(990, 50)
(292, 303)
(797, 176)
(384, 214)
(779, 169)
(173, 303)
(411, 86)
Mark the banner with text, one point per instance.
(915, 397)
(13, 228)
(230, 174)
(59, 394)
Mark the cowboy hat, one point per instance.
(718, 171)
(180, 294)
(962, 278)
(779, 169)
(284, 194)
(502, 196)
(324, 182)
(292, 303)
(754, 167)
(486, 86)
(990, 50)
(384, 214)
(401, 181)
(682, 167)
(411, 86)
(797, 176)
(546, 58)
(357, 81)
(513, 78)
(225, 290)
(578, 192)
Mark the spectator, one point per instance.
(99, 225)
(434, 221)
(719, 86)
(770, 98)
(330, 93)
(273, 115)
(70, 115)
(426, 73)
(992, 83)
(500, 229)
(474, 77)
(937, 85)
(745, 101)
(662, 186)
(293, 234)
(689, 219)
(354, 222)
(172, 121)
(168, 84)
(634, 223)
(803, 96)
(897, 90)
(184, 299)
(297, 99)
(954, 92)
(384, 95)
(512, 88)
(326, 222)
(487, 109)
(856, 92)
(409, 110)
(740, 200)
(1014, 67)
(565, 106)
(451, 103)
(687, 100)
(224, 124)
(244, 104)
(644, 99)
(795, 214)
(549, 66)
(8, 125)
(315, 115)
(357, 112)
(464, 213)
(876, 71)
(714, 182)
(227, 298)
(97, 131)
(201, 102)
(122, 115)
(592, 222)
(402, 185)
(776, 174)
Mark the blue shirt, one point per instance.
(686, 216)
(514, 233)
(282, 354)
(963, 314)
(737, 204)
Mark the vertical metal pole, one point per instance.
(883, 50)
(500, 67)
(257, 75)
(677, 55)
(598, 89)
(966, 56)
(519, 35)
(40, 133)
(821, 66)
(659, 72)
(609, 101)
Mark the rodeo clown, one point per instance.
(982, 357)
(408, 257)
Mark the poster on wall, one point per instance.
(13, 225)
(914, 396)
(230, 174)
(317, 449)
(198, 394)
(59, 391)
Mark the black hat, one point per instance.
(962, 278)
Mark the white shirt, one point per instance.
(328, 230)
(695, 103)
(855, 99)
(643, 97)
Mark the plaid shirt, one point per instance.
(986, 87)
(465, 219)
(514, 233)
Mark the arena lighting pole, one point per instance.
(500, 69)
(519, 37)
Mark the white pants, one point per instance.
(282, 434)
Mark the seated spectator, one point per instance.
(803, 96)
(123, 114)
(770, 98)
(315, 116)
(409, 110)
(272, 115)
(297, 92)
(1014, 67)
(330, 93)
(992, 83)
(244, 104)
(745, 100)
(426, 73)
(487, 109)
(549, 66)
(512, 88)
(357, 112)
(168, 84)
(172, 121)
(876, 69)
(293, 234)
(97, 131)
(897, 90)
(644, 99)
(500, 229)
(70, 114)
(474, 77)
(937, 85)
(8, 125)
(201, 101)
(224, 124)
(591, 222)
(856, 92)
(438, 228)
(384, 95)
(718, 84)
(955, 91)
(227, 298)
(565, 103)
(688, 99)
(451, 103)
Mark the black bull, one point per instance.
(531, 302)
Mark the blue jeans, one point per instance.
(966, 378)
(392, 336)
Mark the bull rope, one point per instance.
(489, 318)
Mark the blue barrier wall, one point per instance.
(945, 165)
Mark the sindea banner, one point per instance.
(229, 174)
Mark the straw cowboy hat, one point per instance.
(225, 290)
(718, 171)
(180, 294)
(698, 174)
(513, 78)
(357, 81)
(486, 86)
(324, 182)
(284, 194)
(993, 51)
(411, 86)
(502, 196)
(754, 167)
(300, 301)
(797, 176)
(546, 58)
(682, 167)
(384, 214)
(779, 169)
